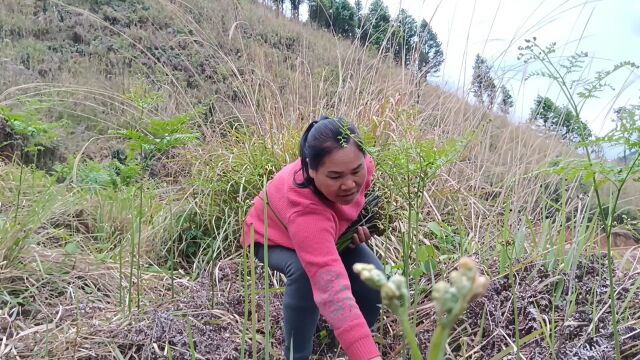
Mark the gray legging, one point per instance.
(300, 311)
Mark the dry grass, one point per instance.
(271, 76)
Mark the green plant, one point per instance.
(566, 74)
(371, 216)
(159, 137)
(265, 269)
(407, 169)
(29, 129)
(395, 295)
(190, 237)
(93, 174)
(190, 340)
(451, 300)
(20, 227)
(450, 240)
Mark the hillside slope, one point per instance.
(153, 124)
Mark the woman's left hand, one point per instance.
(360, 237)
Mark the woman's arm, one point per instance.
(313, 231)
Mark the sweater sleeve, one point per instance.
(313, 231)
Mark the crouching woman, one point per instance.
(310, 202)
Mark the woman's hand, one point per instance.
(360, 237)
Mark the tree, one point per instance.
(429, 51)
(295, 8)
(338, 15)
(506, 101)
(483, 86)
(544, 112)
(344, 19)
(319, 12)
(628, 118)
(279, 4)
(358, 8)
(404, 37)
(376, 25)
(559, 120)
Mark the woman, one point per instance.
(310, 203)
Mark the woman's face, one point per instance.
(341, 174)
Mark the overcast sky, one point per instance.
(609, 30)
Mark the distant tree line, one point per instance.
(559, 120)
(544, 114)
(411, 44)
(416, 47)
(485, 90)
(627, 119)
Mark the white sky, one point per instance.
(609, 30)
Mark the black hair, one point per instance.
(320, 139)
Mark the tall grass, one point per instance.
(458, 183)
(265, 269)
(561, 74)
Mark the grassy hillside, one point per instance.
(134, 135)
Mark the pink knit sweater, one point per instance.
(311, 227)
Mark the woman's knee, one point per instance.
(298, 286)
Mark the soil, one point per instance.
(213, 308)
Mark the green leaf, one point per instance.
(72, 249)
(435, 228)
(504, 258)
(422, 254)
(427, 257)
(600, 183)
(417, 273)
(103, 257)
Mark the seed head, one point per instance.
(466, 284)
(370, 275)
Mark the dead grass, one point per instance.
(250, 69)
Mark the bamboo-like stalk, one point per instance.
(267, 317)
(254, 314)
(138, 252)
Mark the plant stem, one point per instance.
(120, 277)
(514, 297)
(139, 244)
(173, 252)
(606, 220)
(612, 296)
(132, 251)
(192, 348)
(609, 228)
(409, 334)
(438, 342)
(245, 288)
(267, 317)
(15, 218)
(254, 315)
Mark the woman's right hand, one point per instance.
(377, 358)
